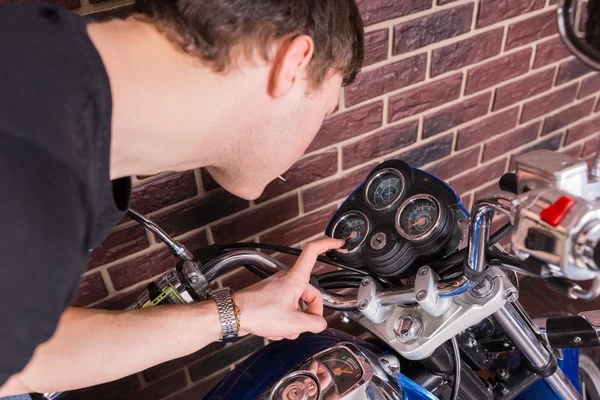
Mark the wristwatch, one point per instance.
(228, 313)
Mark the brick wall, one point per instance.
(458, 87)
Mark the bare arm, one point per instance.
(91, 347)
(88, 341)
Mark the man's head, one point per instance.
(308, 49)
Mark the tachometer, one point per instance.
(384, 189)
(353, 226)
(418, 217)
(346, 371)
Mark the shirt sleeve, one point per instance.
(42, 248)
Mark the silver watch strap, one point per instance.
(226, 313)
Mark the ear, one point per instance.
(290, 65)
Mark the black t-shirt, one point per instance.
(57, 201)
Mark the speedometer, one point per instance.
(384, 189)
(418, 217)
(353, 227)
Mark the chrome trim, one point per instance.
(428, 233)
(347, 215)
(592, 318)
(396, 198)
(583, 52)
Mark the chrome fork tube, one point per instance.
(538, 356)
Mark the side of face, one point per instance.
(281, 136)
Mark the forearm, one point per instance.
(95, 346)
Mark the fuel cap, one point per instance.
(296, 387)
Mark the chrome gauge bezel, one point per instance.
(424, 235)
(344, 217)
(374, 178)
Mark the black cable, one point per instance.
(339, 274)
(457, 370)
(500, 234)
(258, 271)
(339, 285)
(296, 252)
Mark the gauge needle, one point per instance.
(342, 371)
(352, 235)
(422, 219)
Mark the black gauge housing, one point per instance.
(415, 221)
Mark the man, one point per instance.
(238, 87)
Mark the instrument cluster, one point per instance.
(399, 219)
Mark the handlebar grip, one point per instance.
(508, 182)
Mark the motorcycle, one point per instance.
(441, 305)
(445, 321)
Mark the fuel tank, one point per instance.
(330, 365)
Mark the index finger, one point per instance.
(308, 258)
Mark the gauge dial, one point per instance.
(384, 188)
(353, 227)
(418, 217)
(345, 370)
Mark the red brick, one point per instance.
(510, 141)
(163, 192)
(348, 125)
(567, 116)
(590, 147)
(492, 11)
(141, 268)
(455, 165)
(590, 85)
(582, 130)
(119, 244)
(442, 2)
(337, 189)
(118, 12)
(551, 143)
(122, 300)
(161, 388)
(497, 71)
(449, 117)
(486, 128)
(531, 29)
(428, 152)
(548, 103)
(195, 241)
(200, 390)
(425, 97)
(487, 190)
(570, 70)
(527, 87)
(433, 28)
(479, 176)
(550, 51)
(68, 4)
(307, 170)
(466, 52)
(256, 220)
(374, 11)
(204, 211)
(90, 290)
(387, 141)
(573, 151)
(301, 229)
(385, 79)
(376, 46)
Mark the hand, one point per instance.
(270, 308)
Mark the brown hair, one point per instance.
(214, 30)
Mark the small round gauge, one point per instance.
(384, 189)
(346, 370)
(417, 217)
(353, 226)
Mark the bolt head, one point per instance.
(423, 271)
(421, 295)
(511, 295)
(345, 318)
(484, 288)
(408, 329)
(194, 278)
(577, 340)
(363, 304)
(366, 281)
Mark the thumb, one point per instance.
(308, 323)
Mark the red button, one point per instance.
(554, 214)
